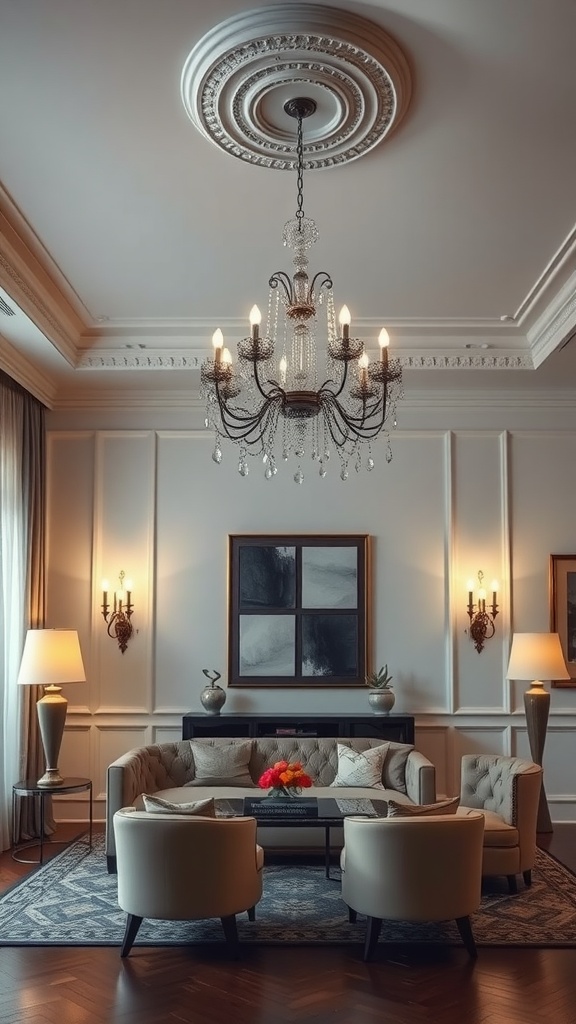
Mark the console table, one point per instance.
(398, 728)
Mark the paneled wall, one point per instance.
(497, 496)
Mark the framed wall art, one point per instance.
(563, 611)
(298, 610)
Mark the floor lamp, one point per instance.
(51, 658)
(536, 656)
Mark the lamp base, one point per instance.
(537, 706)
(51, 777)
(51, 710)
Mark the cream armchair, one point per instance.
(413, 869)
(507, 791)
(178, 867)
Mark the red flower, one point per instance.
(285, 775)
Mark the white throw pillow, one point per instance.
(222, 764)
(360, 768)
(397, 810)
(158, 805)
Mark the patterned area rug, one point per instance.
(71, 901)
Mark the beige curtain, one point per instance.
(22, 525)
(34, 490)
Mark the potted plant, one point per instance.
(381, 697)
(212, 697)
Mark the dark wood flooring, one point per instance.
(409, 985)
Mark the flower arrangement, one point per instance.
(285, 779)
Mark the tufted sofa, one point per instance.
(507, 791)
(168, 769)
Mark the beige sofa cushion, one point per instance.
(497, 832)
(225, 765)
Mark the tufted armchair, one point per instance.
(507, 791)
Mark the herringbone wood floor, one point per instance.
(279, 986)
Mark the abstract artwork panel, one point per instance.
(267, 576)
(298, 610)
(330, 645)
(329, 577)
(267, 645)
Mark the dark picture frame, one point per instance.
(298, 610)
(563, 611)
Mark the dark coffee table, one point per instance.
(331, 814)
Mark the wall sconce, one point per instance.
(482, 626)
(119, 624)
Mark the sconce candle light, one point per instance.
(119, 625)
(482, 625)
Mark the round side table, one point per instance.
(29, 787)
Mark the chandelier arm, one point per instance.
(281, 277)
(265, 395)
(357, 425)
(238, 426)
(325, 282)
(342, 384)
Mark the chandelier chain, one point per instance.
(300, 174)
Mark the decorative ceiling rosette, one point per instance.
(239, 76)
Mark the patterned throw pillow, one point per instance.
(396, 810)
(155, 803)
(360, 768)
(222, 765)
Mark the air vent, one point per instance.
(5, 308)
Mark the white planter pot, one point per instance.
(381, 701)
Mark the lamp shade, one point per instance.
(51, 657)
(536, 656)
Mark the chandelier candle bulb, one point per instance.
(255, 318)
(363, 363)
(218, 343)
(345, 319)
(384, 341)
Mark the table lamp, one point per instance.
(51, 658)
(537, 656)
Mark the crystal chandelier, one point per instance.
(271, 401)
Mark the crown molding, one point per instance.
(25, 373)
(30, 276)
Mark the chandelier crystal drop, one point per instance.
(272, 402)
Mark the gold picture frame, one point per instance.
(563, 612)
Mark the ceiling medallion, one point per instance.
(239, 77)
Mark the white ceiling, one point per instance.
(126, 236)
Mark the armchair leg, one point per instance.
(252, 914)
(111, 864)
(231, 934)
(512, 885)
(352, 915)
(132, 925)
(373, 925)
(465, 929)
(527, 876)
